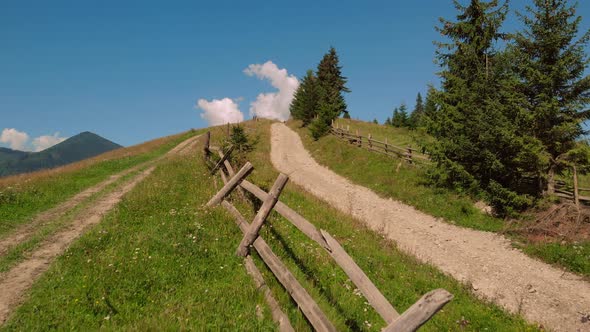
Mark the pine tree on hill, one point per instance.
(346, 115)
(395, 118)
(479, 142)
(331, 85)
(430, 104)
(551, 64)
(387, 121)
(400, 117)
(415, 120)
(304, 106)
(375, 121)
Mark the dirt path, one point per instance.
(26, 230)
(15, 282)
(496, 271)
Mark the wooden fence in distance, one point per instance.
(410, 320)
(408, 154)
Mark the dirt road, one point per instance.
(496, 271)
(15, 282)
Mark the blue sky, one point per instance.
(134, 70)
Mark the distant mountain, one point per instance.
(75, 148)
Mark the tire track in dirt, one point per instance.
(26, 230)
(22, 276)
(496, 271)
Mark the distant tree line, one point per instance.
(508, 115)
(319, 100)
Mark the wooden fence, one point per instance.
(410, 320)
(408, 154)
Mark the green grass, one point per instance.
(573, 256)
(18, 203)
(400, 277)
(405, 183)
(408, 185)
(160, 261)
(157, 262)
(19, 252)
(401, 137)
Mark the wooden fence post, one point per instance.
(409, 154)
(360, 138)
(420, 312)
(360, 279)
(369, 139)
(222, 160)
(206, 144)
(231, 184)
(576, 194)
(265, 209)
(304, 301)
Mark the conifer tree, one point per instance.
(479, 143)
(395, 118)
(331, 85)
(550, 63)
(387, 121)
(417, 114)
(304, 106)
(400, 116)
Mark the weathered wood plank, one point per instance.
(260, 218)
(295, 218)
(223, 159)
(231, 184)
(277, 314)
(360, 279)
(230, 172)
(310, 309)
(420, 312)
(206, 142)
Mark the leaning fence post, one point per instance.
(360, 138)
(369, 139)
(231, 184)
(409, 154)
(206, 144)
(265, 209)
(421, 311)
(222, 160)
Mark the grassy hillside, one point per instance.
(409, 184)
(23, 196)
(82, 146)
(160, 261)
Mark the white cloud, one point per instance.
(43, 142)
(274, 105)
(218, 112)
(16, 139)
(19, 140)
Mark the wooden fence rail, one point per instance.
(408, 154)
(410, 320)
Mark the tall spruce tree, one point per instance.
(304, 106)
(478, 140)
(331, 86)
(551, 64)
(400, 116)
(415, 119)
